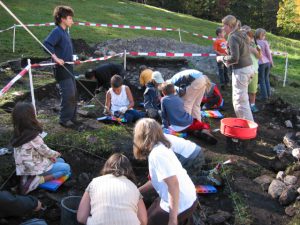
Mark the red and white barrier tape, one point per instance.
(279, 53)
(76, 62)
(200, 35)
(171, 54)
(37, 25)
(12, 27)
(14, 80)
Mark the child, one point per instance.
(35, 162)
(220, 47)
(145, 76)
(176, 118)
(152, 96)
(177, 197)
(113, 197)
(119, 101)
(265, 64)
(213, 98)
(255, 54)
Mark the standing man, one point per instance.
(60, 45)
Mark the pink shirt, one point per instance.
(265, 52)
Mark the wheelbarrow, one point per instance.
(238, 131)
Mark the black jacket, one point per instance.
(104, 73)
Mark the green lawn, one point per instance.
(121, 12)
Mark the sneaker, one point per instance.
(254, 109)
(32, 184)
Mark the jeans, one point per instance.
(223, 73)
(59, 169)
(133, 115)
(264, 80)
(68, 93)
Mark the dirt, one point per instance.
(255, 158)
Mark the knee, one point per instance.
(66, 169)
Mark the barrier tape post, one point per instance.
(125, 60)
(31, 85)
(14, 38)
(286, 69)
(179, 34)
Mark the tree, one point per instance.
(288, 16)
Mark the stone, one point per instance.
(280, 175)
(290, 180)
(93, 124)
(297, 135)
(279, 148)
(288, 124)
(296, 153)
(288, 196)
(264, 181)
(219, 217)
(289, 142)
(298, 190)
(83, 112)
(276, 188)
(290, 211)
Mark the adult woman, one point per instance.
(113, 197)
(177, 196)
(239, 58)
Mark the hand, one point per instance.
(58, 60)
(53, 159)
(106, 112)
(219, 58)
(39, 207)
(123, 109)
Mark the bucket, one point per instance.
(238, 128)
(69, 207)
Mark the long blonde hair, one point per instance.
(147, 134)
(207, 84)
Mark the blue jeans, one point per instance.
(223, 73)
(133, 115)
(59, 169)
(264, 80)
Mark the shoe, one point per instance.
(76, 122)
(254, 109)
(206, 136)
(68, 124)
(32, 184)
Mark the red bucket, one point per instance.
(238, 128)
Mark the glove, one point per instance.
(123, 110)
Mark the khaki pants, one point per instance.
(240, 99)
(193, 97)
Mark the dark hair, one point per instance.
(118, 165)
(167, 88)
(219, 30)
(142, 68)
(89, 74)
(23, 117)
(60, 12)
(116, 81)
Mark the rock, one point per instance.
(296, 153)
(276, 188)
(288, 196)
(93, 124)
(290, 211)
(264, 181)
(285, 158)
(83, 178)
(297, 135)
(290, 180)
(83, 112)
(280, 175)
(298, 119)
(289, 142)
(219, 217)
(288, 124)
(298, 190)
(279, 148)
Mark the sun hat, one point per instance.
(156, 75)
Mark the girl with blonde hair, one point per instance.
(239, 58)
(177, 197)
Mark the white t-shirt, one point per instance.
(181, 146)
(163, 163)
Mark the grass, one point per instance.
(121, 12)
(241, 210)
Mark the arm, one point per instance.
(173, 192)
(84, 208)
(43, 149)
(142, 212)
(268, 53)
(50, 42)
(234, 56)
(130, 98)
(108, 101)
(146, 187)
(255, 52)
